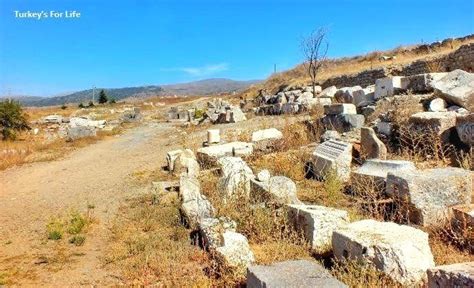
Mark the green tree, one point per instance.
(12, 119)
(102, 97)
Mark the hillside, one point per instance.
(202, 87)
(349, 66)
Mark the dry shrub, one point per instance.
(295, 135)
(355, 274)
(370, 198)
(465, 159)
(451, 245)
(290, 164)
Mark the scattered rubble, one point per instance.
(454, 275)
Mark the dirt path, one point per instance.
(98, 175)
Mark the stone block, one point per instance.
(266, 134)
(442, 123)
(426, 195)
(330, 156)
(457, 87)
(195, 206)
(210, 155)
(317, 223)
(389, 86)
(401, 252)
(371, 146)
(453, 275)
(343, 122)
(78, 132)
(336, 109)
(465, 128)
(291, 274)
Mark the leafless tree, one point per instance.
(315, 48)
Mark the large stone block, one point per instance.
(336, 109)
(78, 132)
(456, 87)
(402, 252)
(330, 156)
(210, 155)
(389, 86)
(212, 229)
(373, 174)
(425, 196)
(363, 97)
(442, 123)
(423, 83)
(329, 92)
(291, 274)
(346, 94)
(465, 128)
(317, 223)
(235, 250)
(343, 122)
(195, 206)
(278, 189)
(266, 134)
(454, 275)
(235, 177)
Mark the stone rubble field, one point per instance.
(412, 169)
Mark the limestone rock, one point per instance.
(278, 189)
(336, 109)
(266, 134)
(195, 206)
(317, 223)
(346, 94)
(211, 231)
(291, 274)
(343, 122)
(264, 176)
(363, 97)
(210, 155)
(77, 132)
(384, 128)
(330, 135)
(456, 87)
(236, 176)
(425, 196)
(332, 155)
(442, 123)
(438, 105)
(213, 136)
(423, 83)
(400, 251)
(235, 250)
(186, 162)
(389, 86)
(329, 92)
(371, 146)
(454, 275)
(465, 128)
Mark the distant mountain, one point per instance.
(197, 88)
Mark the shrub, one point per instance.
(63, 107)
(91, 104)
(12, 119)
(103, 97)
(77, 240)
(55, 229)
(112, 101)
(81, 105)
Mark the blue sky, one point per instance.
(132, 43)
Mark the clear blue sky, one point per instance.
(132, 43)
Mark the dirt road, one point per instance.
(99, 176)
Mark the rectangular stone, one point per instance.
(442, 123)
(210, 155)
(332, 155)
(389, 86)
(339, 108)
(317, 223)
(292, 274)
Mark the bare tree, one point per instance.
(315, 48)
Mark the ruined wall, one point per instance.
(462, 58)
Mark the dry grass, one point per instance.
(356, 275)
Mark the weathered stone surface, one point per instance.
(371, 146)
(456, 87)
(236, 115)
(278, 189)
(328, 92)
(266, 134)
(171, 157)
(465, 128)
(373, 174)
(400, 251)
(210, 155)
(83, 121)
(195, 206)
(291, 274)
(213, 136)
(346, 94)
(438, 105)
(363, 97)
(330, 156)
(454, 275)
(211, 231)
(389, 86)
(423, 83)
(330, 135)
(343, 122)
(186, 163)
(132, 115)
(336, 109)
(264, 176)
(316, 89)
(317, 224)
(425, 196)
(462, 223)
(57, 119)
(384, 128)
(235, 250)
(77, 132)
(442, 123)
(236, 176)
